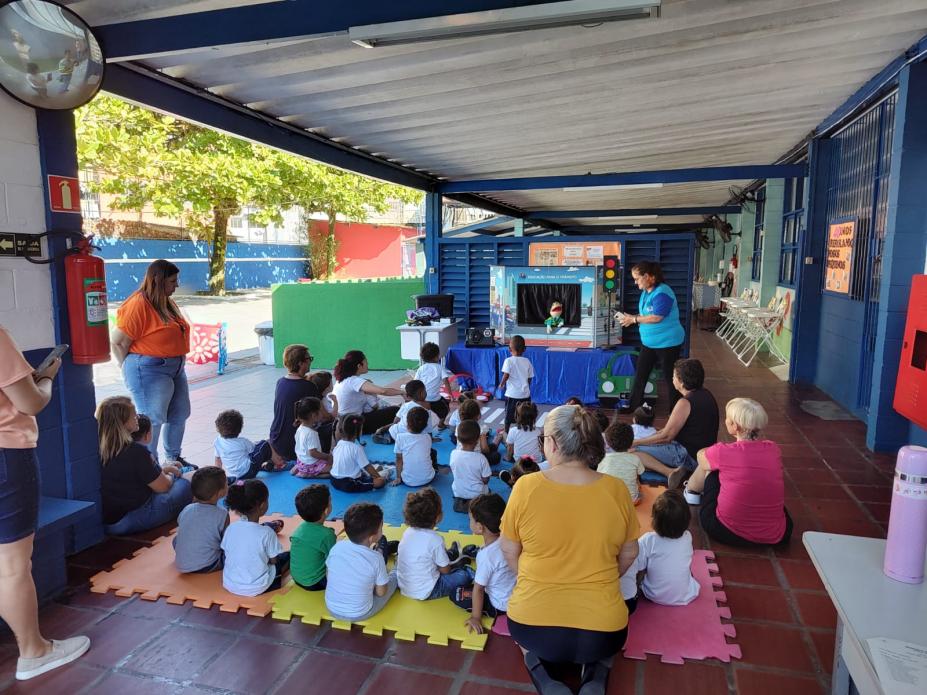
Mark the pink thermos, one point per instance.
(906, 547)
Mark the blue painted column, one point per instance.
(903, 256)
(76, 473)
(809, 275)
(434, 220)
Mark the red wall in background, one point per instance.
(367, 250)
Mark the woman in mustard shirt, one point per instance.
(569, 533)
(151, 341)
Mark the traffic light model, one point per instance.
(610, 274)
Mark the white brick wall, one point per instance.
(25, 289)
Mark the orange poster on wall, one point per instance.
(572, 253)
(839, 266)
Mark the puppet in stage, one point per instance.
(555, 320)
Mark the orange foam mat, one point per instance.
(152, 574)
(649, 494)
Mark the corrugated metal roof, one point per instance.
(709, 83)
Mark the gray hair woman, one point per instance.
(569, 533)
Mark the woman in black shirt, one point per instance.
(137, 494)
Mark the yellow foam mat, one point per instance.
(151, 573)
(439, 620)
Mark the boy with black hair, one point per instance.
(200, 525)
(415, 398)
(469, 467)
(665, 557)
(415, 459)
(494, 579)
(240, 457)
(143, 434)
(312, 540)
(423, 567)
(433, 374)
(619, 463)
(517, 373)
(358, 584)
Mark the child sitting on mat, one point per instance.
(574, 400)
(358, 584)
(663, 565)
(312, 540)
(255, 562)
(471, 410)
(351, 470)
(311, 461)
(469, 467)
(525, 465)
(643, 421)
(239, 457)
(522, 438)
(415, 398)
(433, 374)
(198, 541)
(454, 418)
(604, 421)
(423, 567)
(415, 459)
(494, 579)
(619, 463)
(517, 373)
(323, 382)
(143, 434)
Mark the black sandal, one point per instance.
(542, 680)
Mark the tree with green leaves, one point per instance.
(204, 177)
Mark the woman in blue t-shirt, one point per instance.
(662, 335)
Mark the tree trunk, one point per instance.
(331, 245)
(220, 214)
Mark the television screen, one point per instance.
(534, 303)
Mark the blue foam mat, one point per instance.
(283, 488)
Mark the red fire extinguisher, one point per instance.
(85, 280)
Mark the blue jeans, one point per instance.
(159, 388)
(672, 455)
(448, 584)
(160, 508)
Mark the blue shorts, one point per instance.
(673, 455)
(19, 494)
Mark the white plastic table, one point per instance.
(411, 338)
(868, 603)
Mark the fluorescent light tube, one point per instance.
(626, 217)
(625, 187)
(503, 21)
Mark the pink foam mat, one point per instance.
(685, 632)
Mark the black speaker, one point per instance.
(481, 337)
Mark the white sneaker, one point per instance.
(62, 652)
(691, 497)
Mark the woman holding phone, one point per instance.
(23, 395)
(151, 341)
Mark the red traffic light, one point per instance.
(610, 262)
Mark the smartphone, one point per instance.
(56, 352)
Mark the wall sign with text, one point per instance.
(838, 266)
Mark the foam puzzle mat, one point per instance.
(694, 632)
(152, 574)
(438, 620)
(649, 495)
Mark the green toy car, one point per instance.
(617, 387)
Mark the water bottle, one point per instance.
(906, 546)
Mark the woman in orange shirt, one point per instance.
(151, 341)
(23, 395)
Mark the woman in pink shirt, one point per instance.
(23, 395)
(741, 486)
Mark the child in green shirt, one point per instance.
(312, 540)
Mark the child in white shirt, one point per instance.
(494, 579)
(239, 457)
(351, 470)
(415, 398)
(415, 459)
(643, 422)
(522, 439)
(487, 445)
(433, 375)
(255, 562)
(454, 419)
(423, 568)
(517, 373)
(663, 565)
(469, 467)
(619, 463)
(311, 461)
(358, 586)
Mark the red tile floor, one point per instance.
(784, 620)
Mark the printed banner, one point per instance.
(839, 266)
(570, 253)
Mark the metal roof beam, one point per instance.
(634, 212)
(276, 21)
(629, 179)
(503, 209)
(600, 228)
(476, 226)
(162, 94)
